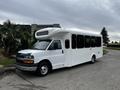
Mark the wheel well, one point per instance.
(94, 56)
(46, 61)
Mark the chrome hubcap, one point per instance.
(44, 70)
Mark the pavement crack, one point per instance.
(32, 85)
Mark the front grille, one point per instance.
(20, 57)
(20, 62)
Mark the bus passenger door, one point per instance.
(56, 54)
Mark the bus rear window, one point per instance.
(98, 41)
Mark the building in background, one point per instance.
(33, 28)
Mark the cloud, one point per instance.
(85, 14)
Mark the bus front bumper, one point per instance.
(26, 68)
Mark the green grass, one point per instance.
(6, 61)
(105, 51)
(113, 48)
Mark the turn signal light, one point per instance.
(28, 61)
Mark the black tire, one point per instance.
(93, 59)
(43, 69)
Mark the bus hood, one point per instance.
(32, 51)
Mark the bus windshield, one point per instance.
(41, 44)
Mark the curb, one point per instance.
(7, 70)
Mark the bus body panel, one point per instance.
(82, 55)
(66, 57)
(70, 57)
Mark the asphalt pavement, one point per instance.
(103, 75)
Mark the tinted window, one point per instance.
(74, 43)
(56, 44)
(80, 41)
(93, 42)
(98, 41)
(42, 33)
(87, 41)
(67, 44)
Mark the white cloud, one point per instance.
(86, 14)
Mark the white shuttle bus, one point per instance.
(57, 48)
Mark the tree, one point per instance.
(8, 37)
(112, 42)
(105, 36)
(116, 42)
(24, 36)
(14, 37)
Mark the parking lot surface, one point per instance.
(103, 75)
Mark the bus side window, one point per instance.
(74, 41)
(93, 42)
(98, 41)
(80, 41)
(67, 44)
(87, 41)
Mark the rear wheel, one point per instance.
(43, 69)
(93, 59)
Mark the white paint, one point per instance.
(70, 57)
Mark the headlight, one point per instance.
(29, 56)
(29, 59)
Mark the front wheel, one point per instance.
(93, 59)
(43, 69)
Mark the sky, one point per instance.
(91, 15)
